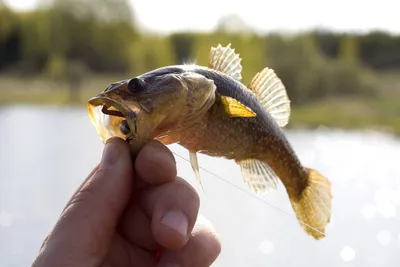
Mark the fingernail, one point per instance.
(110, 154)
(177, 221)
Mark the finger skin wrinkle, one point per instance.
(177, 197)
(208, 241)
(50, 255)
(122, 253)
(93, 232)
(136, 227)
(120, 216)
(182, 195)
(202, 249)
(94, 240)
(110, 203)
(155, 164)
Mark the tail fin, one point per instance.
(313, 206)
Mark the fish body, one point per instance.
(209, 110)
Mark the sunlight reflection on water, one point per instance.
(46, 152)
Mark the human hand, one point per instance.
(119, 217)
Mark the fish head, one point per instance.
(145, 107)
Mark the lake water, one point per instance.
(45, 153)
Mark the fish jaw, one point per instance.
(164, 106)
(146, 121)
(108, 126)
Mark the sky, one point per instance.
(165, 16)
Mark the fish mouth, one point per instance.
(107, 114)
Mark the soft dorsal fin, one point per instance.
(224, 59)
(258, 175)
(271, 93)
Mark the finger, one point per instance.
(86, 227)
(202, 249)
(173, 209)
(122, 253)
(135, 227)
(155, 163)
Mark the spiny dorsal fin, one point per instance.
(233, 108)
(224, 59)
(271, 93)
(258, 175)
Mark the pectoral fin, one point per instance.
(195, 165)
(233, 108)
(258, 175)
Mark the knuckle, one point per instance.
(188, 191)
(102, 172)
(207, 243)
(82, 196)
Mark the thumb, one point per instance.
(84, 231)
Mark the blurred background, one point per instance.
(340, 62)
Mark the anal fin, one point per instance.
(258, 175)
(195, 165)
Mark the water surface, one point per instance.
(45, 152)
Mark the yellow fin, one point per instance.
(271, 93)
(234, 108)
(195, 165)
(224, 59)
(258, 175)
(313, 206)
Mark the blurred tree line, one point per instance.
(69, 39)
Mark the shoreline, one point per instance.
(310, 117)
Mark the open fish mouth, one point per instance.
(111, 118)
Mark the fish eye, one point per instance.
(136, 85)
(124, 127)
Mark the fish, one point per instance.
(208, 110)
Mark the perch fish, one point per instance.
(209, 110)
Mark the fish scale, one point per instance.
(209, 110)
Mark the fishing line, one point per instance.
(250, 194)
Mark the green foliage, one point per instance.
(182, 47)
(148, 53)
(380, 50)
(349, 50)
(8, 20)
(9, 25)
(69, 39)
(341, 79)
(298, 63)
(56, 67)
(76, 48)
(95, 32)
(309, 75)
(36, 43)
(352, 113)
